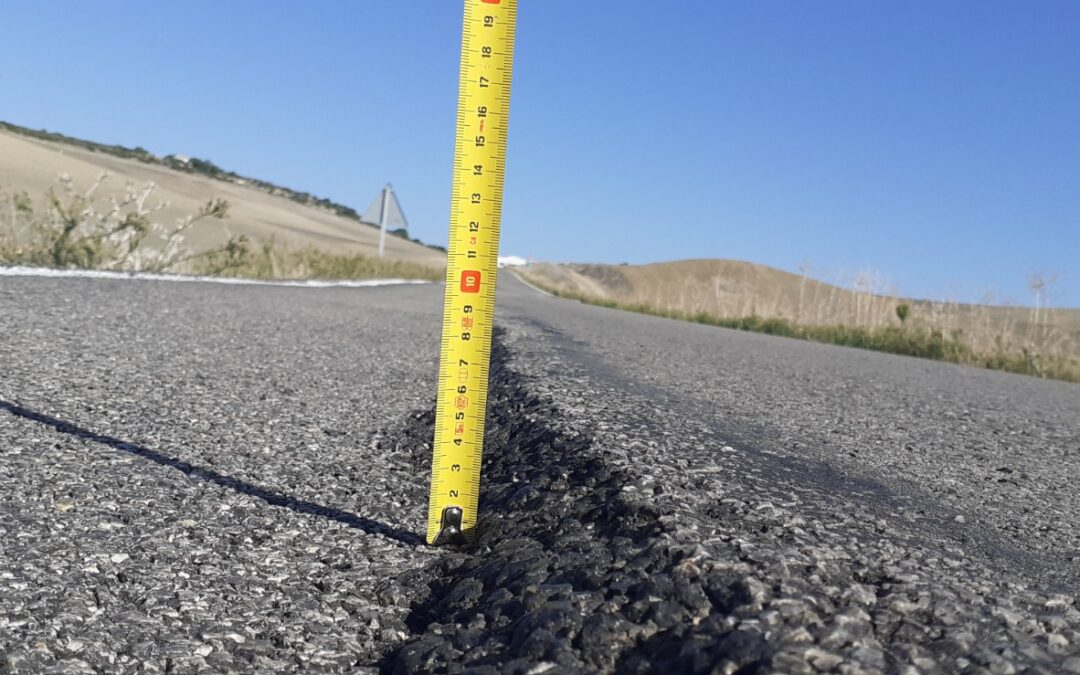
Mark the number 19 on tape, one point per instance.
(487, 50)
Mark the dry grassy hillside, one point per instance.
(728, 289)
(32, 166)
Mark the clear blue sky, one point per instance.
(937, 143)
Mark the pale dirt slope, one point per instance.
(33, 165)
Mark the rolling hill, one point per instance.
(257, 209)
(731, 289)
(724, 290)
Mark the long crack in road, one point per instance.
(234, 479)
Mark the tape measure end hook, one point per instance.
(450, 529)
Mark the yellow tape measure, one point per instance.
(487, 53)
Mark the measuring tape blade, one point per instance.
(487, 51)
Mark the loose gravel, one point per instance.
(230, 479)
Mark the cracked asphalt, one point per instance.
(233, 479)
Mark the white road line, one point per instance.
(145, 276)
(522, 280)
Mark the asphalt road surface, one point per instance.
(201, 477)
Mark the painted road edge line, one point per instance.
(522, 280)
(46, 272)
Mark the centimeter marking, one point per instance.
(487, 51)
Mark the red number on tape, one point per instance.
(470, 281)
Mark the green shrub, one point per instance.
(902, 312)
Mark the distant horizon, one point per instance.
(836, 279)
(936, 145)
(810, 274)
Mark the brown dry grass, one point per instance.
(727, 290)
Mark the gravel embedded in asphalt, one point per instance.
(234, 478)
(157, 543)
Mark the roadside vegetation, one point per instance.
(908, 337)
(269, 260)
(205, 167)
(68, 228)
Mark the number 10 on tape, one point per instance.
(487, 51)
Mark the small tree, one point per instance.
(902, 312)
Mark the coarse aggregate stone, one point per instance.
(700, 566)
(231, 480)
(205, 478)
